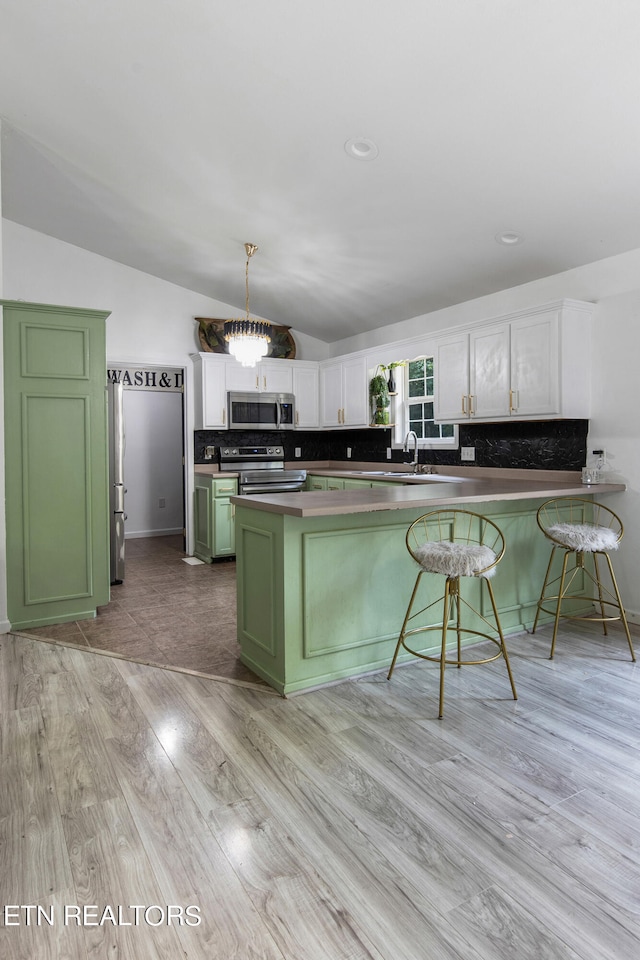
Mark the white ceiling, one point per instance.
(164, 135)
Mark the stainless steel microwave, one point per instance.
(261, 411)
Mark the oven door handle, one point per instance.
(253, 488)
(278, 415)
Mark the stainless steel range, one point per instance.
(261, 470)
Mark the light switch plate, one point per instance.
(467, 453)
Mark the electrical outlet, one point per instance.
(388, 453)
(467, 453)
(209, 453)
(298, 451)
(348, 453)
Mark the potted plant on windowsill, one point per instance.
(379, 396)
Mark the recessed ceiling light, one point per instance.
(361, 148)
(509, 238)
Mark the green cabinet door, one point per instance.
(224, 520)
(203, 519)
(214, 517)
(56, 463)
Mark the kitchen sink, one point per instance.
(427, 477)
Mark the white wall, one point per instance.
(615, 426)
(153, 463)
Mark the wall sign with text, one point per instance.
(167, 379)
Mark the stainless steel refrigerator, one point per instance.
(115, 406)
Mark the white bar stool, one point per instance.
(580, 526)
(455, 544)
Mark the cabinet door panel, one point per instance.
(535, 365)
(355, 393)
(276, 376)
(489, 372)
(306, 389)
(452, 378)
(245, 379)
(210, 392)
(202, 521)
(56, 467)
(224, 527)
(331, 392)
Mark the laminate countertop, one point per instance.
(421, 491)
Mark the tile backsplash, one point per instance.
(533, 445)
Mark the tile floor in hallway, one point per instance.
(166, 613)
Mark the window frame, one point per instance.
(402, 401)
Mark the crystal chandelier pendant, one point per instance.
(248, 339)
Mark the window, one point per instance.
(418, 407)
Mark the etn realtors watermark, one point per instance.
(93, 915)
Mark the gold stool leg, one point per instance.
(544, 587)
(404, 625)
(503, 647)
(623, 615)
(599, 584)
(448, 600)
(560, 595)
(458, 623)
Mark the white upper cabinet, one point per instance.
(306, 390)
(489, 372)
(210, 391)
(530, 365)
(344, 394)
(536, 370)
(268, 376)
(451, 366)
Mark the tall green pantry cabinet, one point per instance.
(56, 463)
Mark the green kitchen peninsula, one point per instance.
(324, 578)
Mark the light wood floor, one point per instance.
(342, 824)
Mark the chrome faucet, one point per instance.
(412, 435)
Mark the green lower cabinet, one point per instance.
(345, 483)
(323, 598)
(316, 483)
(56, 463)
(214, 518)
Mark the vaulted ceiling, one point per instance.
(164, 135)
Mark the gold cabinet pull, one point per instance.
(257, 382)
(224, 416)
(471, 406)
(264, 383)
(513, 406)
(464, 405)
(297, 418)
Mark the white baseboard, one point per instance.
(138, 534)
(5, 626)
(633, 616)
